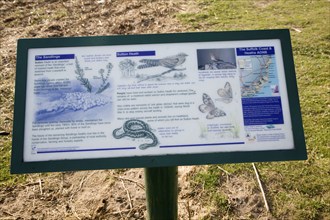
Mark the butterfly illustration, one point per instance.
(209, 107)
(226, 93)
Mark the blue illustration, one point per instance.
(82, 98)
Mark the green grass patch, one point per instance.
(208, 182)
(297, 190)
(7, 179)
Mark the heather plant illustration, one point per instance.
(85, 81)
(105, 84)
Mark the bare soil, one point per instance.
(106, 194)
(120, 194)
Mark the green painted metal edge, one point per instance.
(19, 166)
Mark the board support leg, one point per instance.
(162, 192)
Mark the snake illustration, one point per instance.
(136, 129)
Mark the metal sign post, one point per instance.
(162, 192)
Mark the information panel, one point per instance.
(155, 101)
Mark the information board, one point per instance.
(155, 100)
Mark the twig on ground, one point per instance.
(73, 208)
(8, 213)
(33, 184)
(188, 209)
(84, 179)
(296, 29)
(100, 209)
(261, 187)
(62, 183)
(121, 211)
(128, 195)
(40, 186)
(76, 215)
(4, 133)
(228, 173)
(129, 180)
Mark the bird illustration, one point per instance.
(215, 59)
(169, 62)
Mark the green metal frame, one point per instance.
(19, 166)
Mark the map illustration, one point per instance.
(258, 76)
